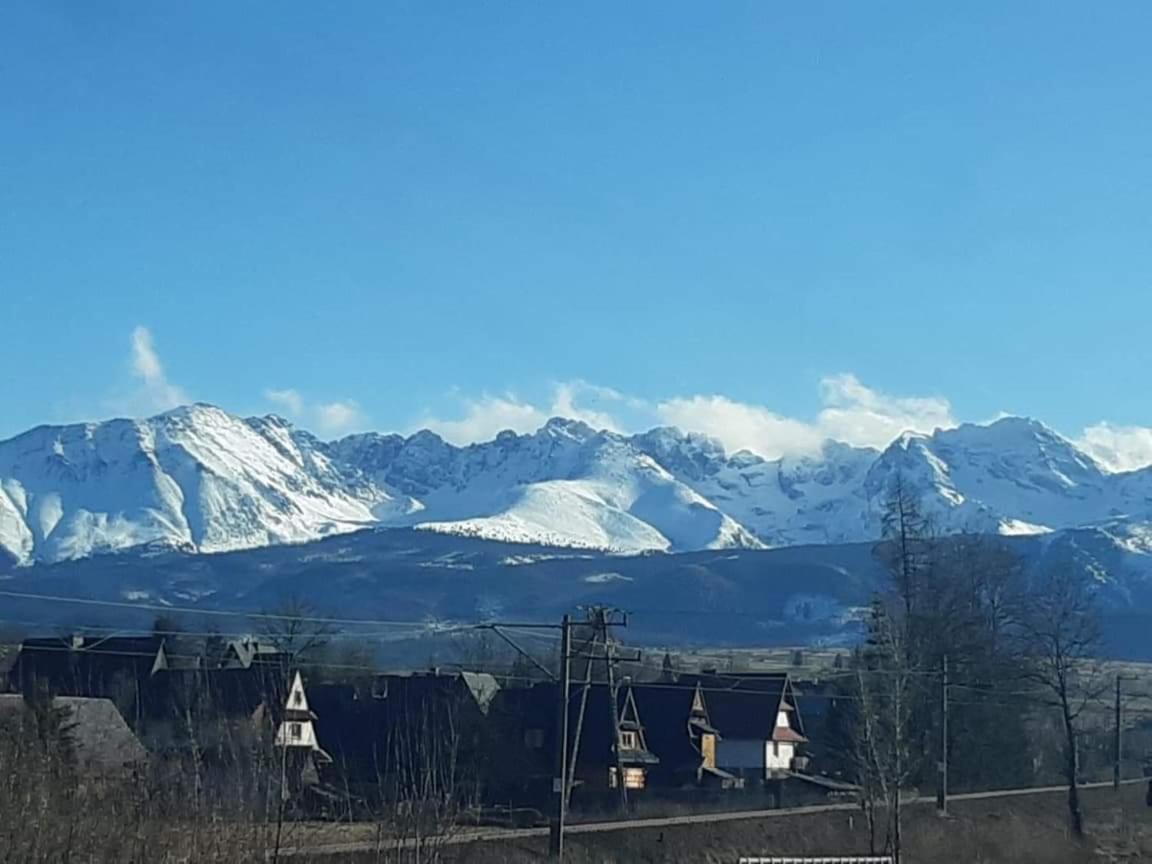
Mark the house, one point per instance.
(406, 730)
(296, 729)
(605, 756)
(112, 667)
(759, 724)
(680, 733)
(213, 714)
(102, 744)
(247, 652)
(295, 739)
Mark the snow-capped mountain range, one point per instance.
(201, 479)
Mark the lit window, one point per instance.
(634, 778)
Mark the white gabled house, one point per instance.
(760, 729)
(296, 730)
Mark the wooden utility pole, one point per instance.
(560, 780)
(942, 796)
(1116, 740)
(614, 710)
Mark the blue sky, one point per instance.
(388, 214)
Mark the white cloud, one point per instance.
(156, 392)
(336, 418)
(863, 416)
(1118, 448)
(852, 413)
(328, 418)
(740, 426)
(290, 400)
(482, 418)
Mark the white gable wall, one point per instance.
(296, 733)
(778, 754)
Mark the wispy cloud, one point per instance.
(328, 418)
(289, 400)
(155, 392)
(141, 390)
(481, 418)
(851, 412)
(1118, 448)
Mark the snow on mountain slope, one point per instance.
(195, 478)
(201, 479)
(566, 485)
(786, 501)
(1012, 476)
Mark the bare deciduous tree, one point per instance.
(1060, 628)
(296, 628)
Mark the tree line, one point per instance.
(967, 655)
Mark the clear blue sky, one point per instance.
(413, 204)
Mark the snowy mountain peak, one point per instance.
(577, 430)
(199, 478)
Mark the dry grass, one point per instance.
(1021, 830)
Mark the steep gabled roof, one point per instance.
(671, 714)
(745, 705)
(535, 707)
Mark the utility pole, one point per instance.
(560, 780)
(1116, 740)
(942, 795)
(614, 710)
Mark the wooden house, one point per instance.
(609, 740)
(680, 733)
(405, 730)
(759, 724)
(119, 668)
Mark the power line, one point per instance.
(265, 616)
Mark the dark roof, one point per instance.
(102, 740)
(85, 665)
(479, 688)
(743, 705)
(367, 730)
(246, 652)
(536, 708)
(666, 712)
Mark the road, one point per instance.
(498, 834)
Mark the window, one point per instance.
(296, 731)
(534, 739)
(297, 698)
(629, 740)
(634, 778)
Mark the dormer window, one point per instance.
(629, 740)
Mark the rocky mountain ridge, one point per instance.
(200, 479)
